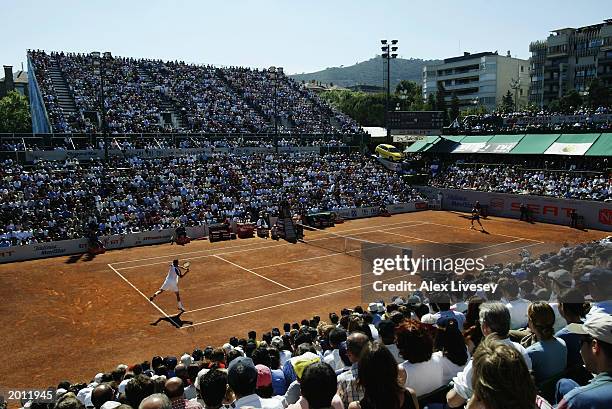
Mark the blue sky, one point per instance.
(301, 36)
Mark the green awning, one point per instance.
(446, 144)
(602, 146)
(472, 143)
(423, 144)
(454, 138)
(501, 144)
(572, 144)
(533, 144)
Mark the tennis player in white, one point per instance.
(171, 283)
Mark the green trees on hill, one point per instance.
(14, 114)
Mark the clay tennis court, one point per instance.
(70, 317)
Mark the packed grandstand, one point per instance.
(203, 98)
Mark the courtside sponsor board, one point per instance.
(597, 215)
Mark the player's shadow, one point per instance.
(483, 231)
(174, 320)
(74, 258)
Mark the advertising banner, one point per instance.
(31, 156)
(559, 148)
(119, 241)
(597, 215)
(497, 147)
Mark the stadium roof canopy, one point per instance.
(592, 144)
(501, 144)
(572, 144)
(472, 143)
(602, 146)
(534, 144)
(422, 145)
(446, 144)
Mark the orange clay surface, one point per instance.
(71, 317)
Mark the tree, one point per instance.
(431, 102)
(409, 92)
(570, 101)
(507, 102)
(454, 108)
(440, 95)
(15, 114)
(599, 94)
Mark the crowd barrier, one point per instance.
(597, 215)
(60, 155)
(69, 247)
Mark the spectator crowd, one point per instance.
(532, 343)
(504, 178)
(51, 201)
(580, 120)
(203, 98)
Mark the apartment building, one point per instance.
(569, 59)
(479, 79)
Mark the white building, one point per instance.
(479, 79)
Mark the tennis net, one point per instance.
(352, 246)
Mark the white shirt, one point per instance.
(258, 403)
(449, 368)
(518, 313)
(333, 359)
(463, 380)
(395, 352)
(424, 377)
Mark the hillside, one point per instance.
(369, 72)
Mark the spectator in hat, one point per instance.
(294, 369)
(596, 351)
(242, 378)
(494, 319)
(378, 376)
(443, 303)
(501, 379)
(549, 354)
(318, 386)
(598, 282)
(264, 381)
(213, 388)
(386, 332)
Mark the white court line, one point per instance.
(252, 272)
(523, 247)
(328, 282)
(285, 303)
(493, 234)
(248, 244)
(271, 294)
(418, 238)
(183, 254)
(327, 255)
(141, 293)
(252, 249)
